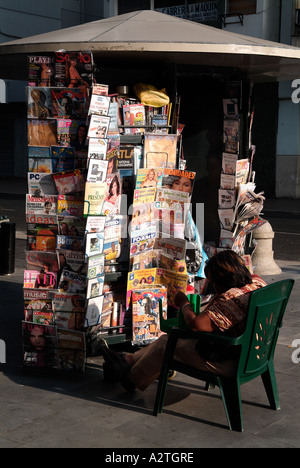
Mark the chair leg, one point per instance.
(270, 384)
(161, 391)
(230, 391)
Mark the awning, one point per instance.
(153, 36)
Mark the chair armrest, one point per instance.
(204, 336)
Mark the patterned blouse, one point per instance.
(228, 311)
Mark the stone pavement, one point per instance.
(41, 411)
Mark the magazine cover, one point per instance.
(69, 205)
(94, 198)
(41, 260)
(97, 148)
(46, 205)
(125, 157)
(143, 241)
(71, 260)
(69, 103)
(95, 224)
(94, 311)
(97, 170)
(146, 260)
(41, 237)
(172, 247)
(134, 115)
(229, 163)
(115, 233)
(181, 181)
(226, 217)
(94, 243)
(69, 182)
(68, 133)
(98, 126)
(145, 314)
(95, 287)
(39, 159)
(41, 69)
(39, 103)
(144, 195)
(100, 89)
(99, 104)
(70, 243)
(69, 310)
(242, 171)
(40, 184)
(71, 282)
(71, 226)
(73, 69)
(72, 351)
(149, 178)
(38, 306)
(95, 266)
(112, 202)
(160, 150)
(230, 109)
(42, 132)
(39, 279)
(227, 182)
(227, 198)
(41, 219)
(231, 130)
(63, 158)
(40, 345)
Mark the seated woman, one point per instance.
(225, 313)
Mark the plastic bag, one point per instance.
(151, 96)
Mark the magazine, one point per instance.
(69, 310)
(39, 279)
(229, 163)
(63, 158)
(40, 184)
(69, 182)
(39, 345)
(94, 311)
(112, 202)
(71, 226)
(146, 314)
(242, 171)
(114, 114)
(69, 205)
(134, 116)
(230, 109)
(32, 218)
(42, 132)
(71, 260)
(41, 69)
(227, 182)
(97, 148)
(239, 242)
(45, 205)
(144, 195)
(46, 261)
(39, 103)
(39, 159)
(94, 244)
(69, 103)
(99, 104)
(179, 180)
(72, 350)
(98, 127)
(125, 157)
(100, 89)
(148, 178)
(231, 130)
(97, 170)
(95, 266)
(67, 132)
(226, 217)
(160, 150)
(94, 198)
(95, 224)
(146, 260)
(115, 232)
(70, 243)
(226, 198)
(71, 282)
(73, 69)
(95, 287)
(38, 300)
(41, 237)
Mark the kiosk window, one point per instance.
(246, 7)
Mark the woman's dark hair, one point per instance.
(227, 270)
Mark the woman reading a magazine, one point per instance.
(226, 313)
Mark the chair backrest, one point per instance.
(266, 309)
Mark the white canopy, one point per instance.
(153, 36)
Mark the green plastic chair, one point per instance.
(257, 346)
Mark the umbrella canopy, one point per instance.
(153, 36)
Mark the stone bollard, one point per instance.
(263, 256)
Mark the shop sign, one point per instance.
(204, 11)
